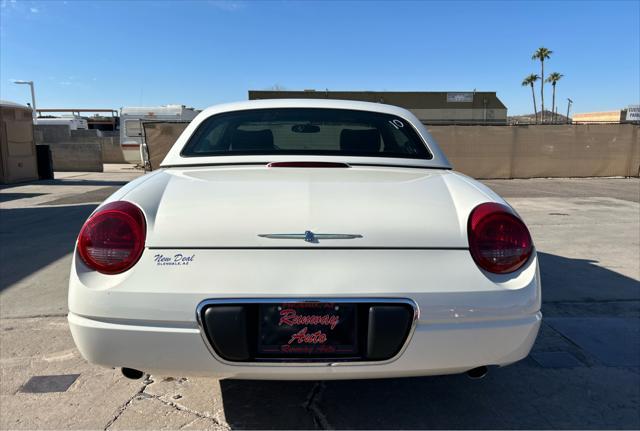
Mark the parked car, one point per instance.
(304, 239)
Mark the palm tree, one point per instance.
(530, 80)
(553, 80)
(542, 54)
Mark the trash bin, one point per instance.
(45, 163)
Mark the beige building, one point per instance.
(431, 107)
(600, 117)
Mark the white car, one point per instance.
(304, 239)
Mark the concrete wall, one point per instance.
(54, 135)
(509, 151)
(73, 156)
(542, 151)
(109, 141)
(478, 151)
(111, 150)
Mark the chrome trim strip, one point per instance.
(309, 236)
(206, 302)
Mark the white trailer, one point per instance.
(132, 133)
(74, 122)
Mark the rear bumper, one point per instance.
(435, 348)
(146, 318)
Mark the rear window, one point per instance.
(311, 131)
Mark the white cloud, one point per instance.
(34, 9)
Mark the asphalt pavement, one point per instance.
(584, 371)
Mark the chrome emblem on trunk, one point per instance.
(309, 236)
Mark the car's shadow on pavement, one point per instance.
(412, 403)
(526, 395)
(7, 197)
(67, 182)
(522, 396)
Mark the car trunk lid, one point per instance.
(265, 207)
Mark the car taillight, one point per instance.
(112, 240)
(498, 240)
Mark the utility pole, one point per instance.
(569, 102)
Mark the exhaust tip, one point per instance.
(478, 372)
(132, 374)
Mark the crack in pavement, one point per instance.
(312, 406)
(127, 403)
(191, 422)
(141, 394)
(186, 409)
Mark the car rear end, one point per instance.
(305, 267)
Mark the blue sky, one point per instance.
(199, 53)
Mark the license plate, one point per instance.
(308, 329)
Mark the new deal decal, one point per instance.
(308, 329)
(177, 259)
